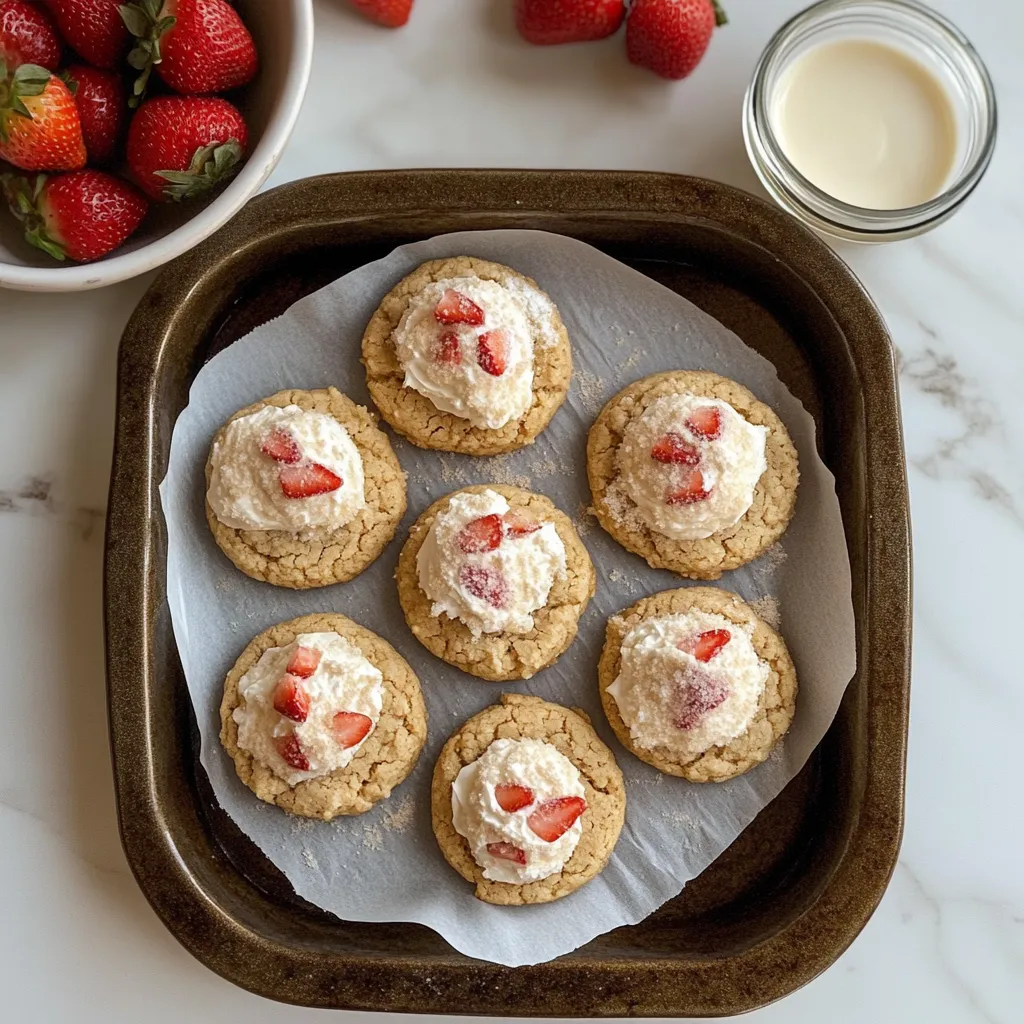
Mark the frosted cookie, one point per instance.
(322, 717)
(303, 489)
(527, 802)
(493, 580)
(695, 684)
(692, 472)
(467, 356)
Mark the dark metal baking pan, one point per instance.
(798, 885)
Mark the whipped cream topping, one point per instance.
(492, 589)
(343, 681)
(477, 816)
(246, 491)
(710, 485)
(673, 699)
(458, 382)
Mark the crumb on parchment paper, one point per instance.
(394, 819)
(767, 608)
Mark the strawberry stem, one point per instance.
(23, 197)
(720, 16)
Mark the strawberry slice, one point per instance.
(705, 646)
(291, 699)
(483, 534)
(512, 797)
(308, 481)
(690, 489)
(350, 728)
(706, 422)
(492, 352)
(699, 693)
(506, 851)
(281, 446)
(456, 308)
(516, 526)
(447, 349)
(289, 749)
(303, 662)
(555, 817)
(674, 449)
(485, 583)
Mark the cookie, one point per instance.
(773, 706)
(677, 458)
(504, 654)
(468, 377)
(570, 733)
(381, 760)
(314, 553)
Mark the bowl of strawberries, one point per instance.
(130, 130)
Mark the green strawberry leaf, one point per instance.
(145, 23)
(211, 166)
(23, 197)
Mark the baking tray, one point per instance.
(797, 886)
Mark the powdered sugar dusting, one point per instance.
(767, 608)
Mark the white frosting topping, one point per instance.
(344, 681)
(460, 385)
(729, 467)
(245, 489)
(491, 591)
(671, 700)
(477, 816)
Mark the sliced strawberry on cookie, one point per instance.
(506, 851)
(706, 422)
(689, 490)
(483, 534)
(456, 308)
(485, 583)
(512, 797)
(281, 447)
(699, 693)
(308, 481)
(674, 449)
(447, 349)
(291, 752)
(517, 526)
(350, 728)
(492, 352)
(303, 662)
(555, 817)
(707, 644)
(291, 699)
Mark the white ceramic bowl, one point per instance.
(283, 31)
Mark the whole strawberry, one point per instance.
(547, 22)
(39, 125)
(28, 36)
(102, 107)
(670, 36)
(93, 28)
(182, 146)
(389, 13)
(80, 216)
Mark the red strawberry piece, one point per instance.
(93, 28)
(517, 526)
(289, 749)
(555, 817)
(307, 481)
(350, 728)
(706, 422)
(181, 146)
(698, 693)
(81, 216)
(483, 534)
(291, 699)
(506, 851)
(456, 308)
(281, 447)
(707, 644)
(39, 125)
(492, 352)
(670, 36)
(28, 36)
(485, 583)
(389, 13)
(102, 109)
(675, 449)
(689, 490)
(303, 662)
(512, 797)
(447, 349)
(546, 22)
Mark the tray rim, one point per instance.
(226, 944)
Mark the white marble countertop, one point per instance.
(947, 943)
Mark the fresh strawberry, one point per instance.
(698, 693)
(546, 22)
(485, 583)
(513, 798)
(555, 817)
(291, 699)
(39, 125)
(180, 146)
(281, 447)
(516, 526)
(670, 36)
(93, 28)
(675, 449)
(81, 216)
(196, 46)
(483, 534)
(456, 308)
(506, 851)
(28, 36)
(706, 645)
(689, 490)
(303, 662)
(389, 13)
(309, 480)
(102, 106)
(447, 349)
(289, 749)
(706, 422)
(350, 728)
(492, 352)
